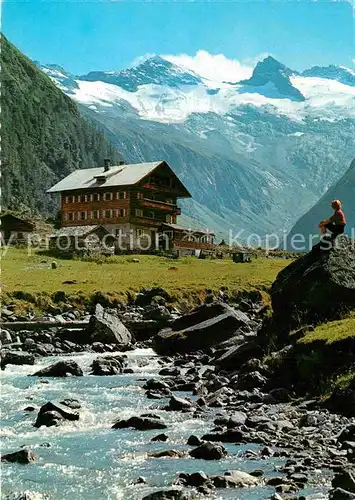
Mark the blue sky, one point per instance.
(103, 35)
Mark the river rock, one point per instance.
(51, 413)
(23, 456)
(60, 369)
(48, 418)
(209, 451)
(107, 366)
(160, 437)
(347, 434)
(17, 358)
(146, 295)
(156, 385)
(158, 313)
(315, 287)
(280, 395)
(234, 479)
(194, 441)
(167, 454)
(342, 399)
(179, 404)
(140, 423)
(345, 480)
(168, 495)
(340, 494)
(236, 356)
(169, 372)
(5, 337)
(195, 479)
(72, 403)
(228, 436)
(203, 328)
(107, 328)
(250, 380)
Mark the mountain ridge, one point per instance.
(271, 71)
(44, 137)
(252, 162)
(344, 190)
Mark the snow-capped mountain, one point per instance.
(254, 153)
(338, 73)
(155, 70)
(161, 91)
(272, 78)
(64, 80)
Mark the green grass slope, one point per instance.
(44, 137)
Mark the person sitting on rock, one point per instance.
(336, 223)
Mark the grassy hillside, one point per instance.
(43, 135)
(188, 280)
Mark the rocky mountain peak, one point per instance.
(270, 72)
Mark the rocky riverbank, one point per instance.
(217, 365)
(229, 389)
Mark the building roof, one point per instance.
(119, 175)
(79, 231)
(9, 220)
(192, 230)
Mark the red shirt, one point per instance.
(338, 218)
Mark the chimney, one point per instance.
(107, 162)
(121, 162)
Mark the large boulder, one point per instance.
(209, 451)
(60, 369)
(140, 423)
(106, 327)
(110, 365)
(168, 495)
(234, 479)
(48, 419)
(238, 355)
(203, 328)
(146, 295)
(179, 404)
(17, 358)
(316, 287)
(341, 494)
(344, 479)
(52, 413)
(23, 456)
(228, 436)
(342, 399)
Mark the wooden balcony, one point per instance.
(147, 221)
(194, 245)
(161, 205)
(161, 188)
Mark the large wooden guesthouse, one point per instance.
(130, 201)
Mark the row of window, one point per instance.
(96, 214)
(83, 198)
(119, 195)
(108, 214)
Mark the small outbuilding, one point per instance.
(83, 237)
(186, 241)
(241, 257)
(15, 230)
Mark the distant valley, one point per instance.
(255, 154)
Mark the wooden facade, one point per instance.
(185, 239)
(130, 201)
(149, 203)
